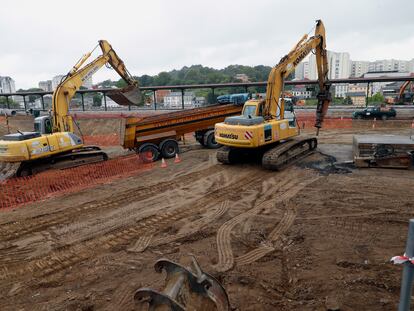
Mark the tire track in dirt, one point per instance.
(123, 296)
(67, 256)
(225, 254)
(144, 242)
(128, 214)
(223, 240)
(23, 227)
(350, 215)
(265, 248)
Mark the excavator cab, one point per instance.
(251, 114)
(43, 125)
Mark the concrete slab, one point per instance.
(341, 152)
(384, 139)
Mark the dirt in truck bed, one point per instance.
(310, 237)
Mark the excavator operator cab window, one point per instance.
(48, 126)
(260, 112)
(249, 110)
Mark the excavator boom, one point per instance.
(62, 121)
(288, 63)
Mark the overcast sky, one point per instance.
(40, 39)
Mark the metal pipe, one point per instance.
(408, 272)
(182, 98)
(83, 102)
(24, 102)
(155, 99)
(366, 97)
(104, 94)
(43, 102)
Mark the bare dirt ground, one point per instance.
(311, 237)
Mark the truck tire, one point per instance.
(199, 136)
(210, 141)
(384, 117)
(169, 148)
(148, 153)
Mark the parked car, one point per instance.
(7, 112)
(383, 113)
(238, 99)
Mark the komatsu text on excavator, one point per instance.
(54, 143)
(264, 127)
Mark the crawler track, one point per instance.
(287, 153)
(8, 169)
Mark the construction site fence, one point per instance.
(348, 123)
(23, 190)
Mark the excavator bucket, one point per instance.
(130, 95)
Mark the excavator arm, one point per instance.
(402, 89)
(62, 121)
(275, 109)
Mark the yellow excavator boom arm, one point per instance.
(62, 121)
(288, 64)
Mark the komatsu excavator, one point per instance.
(264, 127)
(54, 144)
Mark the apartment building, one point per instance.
(46, 85)
(7, 85)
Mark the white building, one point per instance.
(46, 85)
(174, 100)
(411, 65)
(302, 71)
(358, 68)
(361, 67)
(389, 65)
(242, 77)
(301, 92)
(7, 85)
(340, 90)
(339, 65)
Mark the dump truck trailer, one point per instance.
(158, 135)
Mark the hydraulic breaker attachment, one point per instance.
(324, 99)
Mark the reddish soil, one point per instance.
(311, 237)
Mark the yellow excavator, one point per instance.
(265, 128)
(54, 144)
